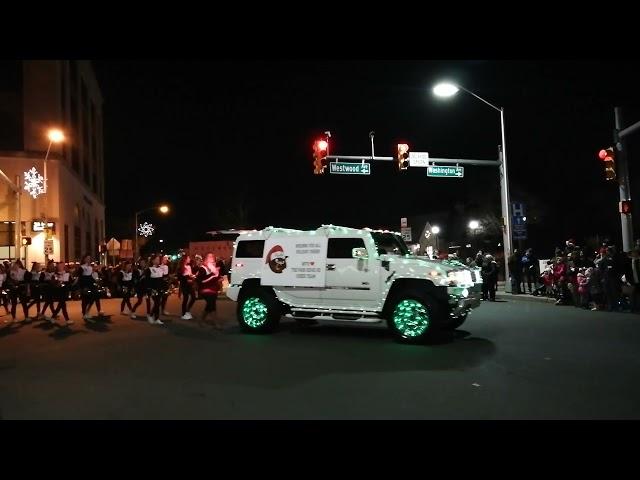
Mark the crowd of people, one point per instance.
(149, 280)
(605, 279)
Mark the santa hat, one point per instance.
(275, 252)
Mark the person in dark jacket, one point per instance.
(530, 270)
(489, 274)
(632, 276)
(515, 268)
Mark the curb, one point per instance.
(524, 298)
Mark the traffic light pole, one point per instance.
(625, 190)
(504, 191)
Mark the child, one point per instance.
(583, 288)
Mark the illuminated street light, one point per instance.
(445, 90)
(164, 209)
(55, 135)
(474, 224)
(435, 230)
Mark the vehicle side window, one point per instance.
(342, 247)
(250, 249)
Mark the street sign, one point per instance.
(517, 209)
(350, 168)
(406, 234)
(519, 226)
(403, 222)
(438, 171)
(418, 159)
(48, 247)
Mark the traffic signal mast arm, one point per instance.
(461, 161)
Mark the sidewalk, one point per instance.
(523, 297)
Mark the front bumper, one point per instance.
(233, 291)
(463, 300)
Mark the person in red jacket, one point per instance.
(560, 280)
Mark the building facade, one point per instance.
(36, 96)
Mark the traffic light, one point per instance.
(608, 156)
(26, 241)
(320, 152)
(625, 207)
(403, 156)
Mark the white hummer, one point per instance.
(355, 276)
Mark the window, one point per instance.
(250, 249)
(66, 243)
(6, 234)
(89, 243)
(77, 242)
(342, 247)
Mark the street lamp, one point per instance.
(435, 230)
(164, 209)
(55, 136)
(449, 89)
(474, 225)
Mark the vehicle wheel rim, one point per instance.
(411, 318)
(254, 312)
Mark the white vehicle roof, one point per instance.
(322, 230)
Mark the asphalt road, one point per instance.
(511, 360)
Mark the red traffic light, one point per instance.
(403, 156)
(320, 152)
(607, 154)
(625, 207)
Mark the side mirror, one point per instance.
(359, 253)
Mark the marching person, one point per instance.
(46, 289)
(155, 285)
(88, 288)
(19, 283)
(125, 279)
(36, 288)
(186, 277)
(209, 285)
(140, 281)
(98, 279)
(60, 283)
(4, 294)
(166, 279)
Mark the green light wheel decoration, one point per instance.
(255, 312)
(411, 318)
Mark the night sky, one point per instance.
(210, 137)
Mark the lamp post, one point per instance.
(436, 230)
(448, 89)
(473, 225)
(55, 136)
(164, 209)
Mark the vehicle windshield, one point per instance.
(390, 244)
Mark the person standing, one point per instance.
(530, 269)
(632, 275)
(186, 277)
(208, 281)
(515, 267)
(489, 278)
